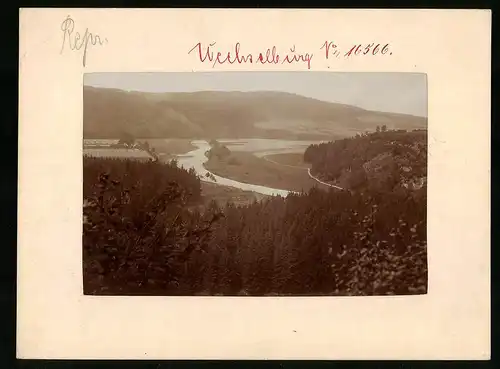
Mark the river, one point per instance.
(260, 147)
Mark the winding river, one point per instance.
(260, 147)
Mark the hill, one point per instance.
(386, 160)
(112, 113)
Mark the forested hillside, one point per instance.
(385, 159)
(142, 237)
(112, 113)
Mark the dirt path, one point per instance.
(326, 184)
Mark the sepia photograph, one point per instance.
(334, 207)
(255, 184)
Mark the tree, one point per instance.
(126, 139)
(378, 129)
(384, 128)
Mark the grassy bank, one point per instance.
(246, 167)
(169, 147)
(289, 159)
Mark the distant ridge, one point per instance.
(111, 113)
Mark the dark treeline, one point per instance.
(134, 222)
(140, 237)
(217, 150)
(382, 159)
(134, 176)
(316, 243)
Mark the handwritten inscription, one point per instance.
(368, 49)
(271, 55)
(75, 41)
(209, 53)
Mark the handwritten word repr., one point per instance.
(75, 41)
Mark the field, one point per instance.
(99, 142)
(116, 153)
(321, 130)
(166, 148)
(291, 159)
(248, 168)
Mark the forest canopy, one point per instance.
(142, 236)
(387, 160)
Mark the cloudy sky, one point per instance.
(389, 92)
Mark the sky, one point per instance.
(389, 92)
